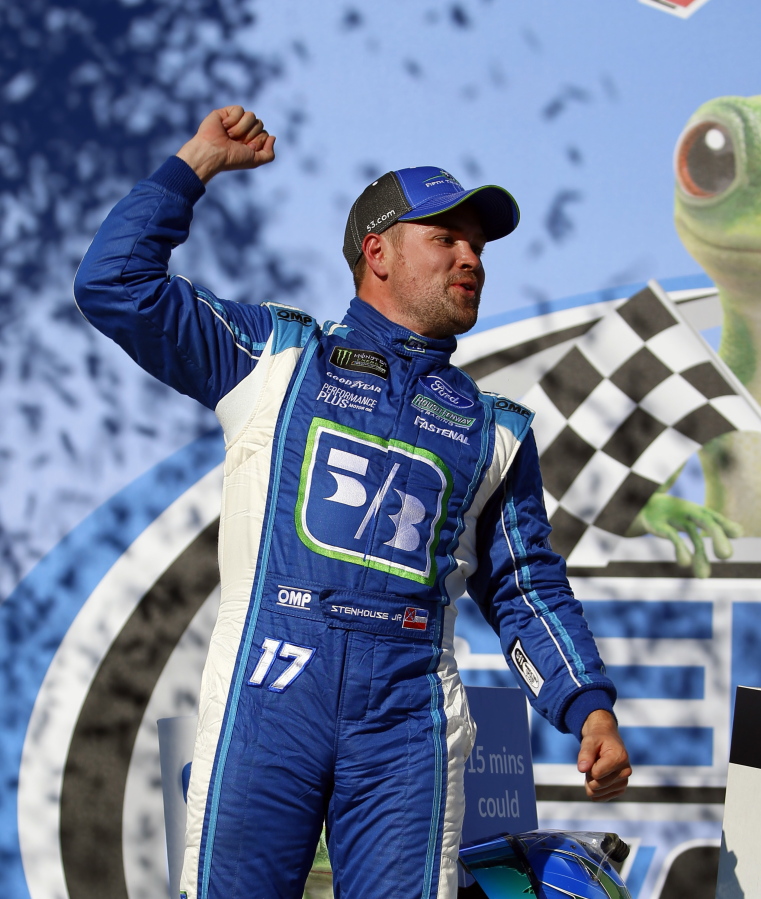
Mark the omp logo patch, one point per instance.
(509, 406)
(371, 501)
(293, 315)
(447, 394)
(367, 362)
(425, 404)
(534, 680)
(290, 596)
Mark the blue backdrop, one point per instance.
(108, 491)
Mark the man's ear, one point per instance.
(376, 249)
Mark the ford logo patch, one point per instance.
(445, 393)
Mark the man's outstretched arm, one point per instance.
(227, 139)
(603, 758)
(175, 330)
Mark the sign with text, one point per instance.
(499, 779)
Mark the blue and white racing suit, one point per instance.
(367, 483)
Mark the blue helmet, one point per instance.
(547, 864)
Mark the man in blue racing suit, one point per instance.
(368, 483)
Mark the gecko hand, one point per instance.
(668, 516)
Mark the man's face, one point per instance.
(436, 274)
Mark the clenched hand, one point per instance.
(603, 757)
(228, 138)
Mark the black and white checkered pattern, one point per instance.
(624, 408)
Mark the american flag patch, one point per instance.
(417, 619)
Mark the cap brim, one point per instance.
(496, 207)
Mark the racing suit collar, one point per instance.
(366, 318)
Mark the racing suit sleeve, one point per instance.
(180, 333)
(521, 587)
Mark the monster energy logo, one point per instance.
(433, 408)
(367, 361)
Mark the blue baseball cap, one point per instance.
(412, 195)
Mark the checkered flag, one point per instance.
(624, 408)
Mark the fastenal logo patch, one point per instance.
(534, 680)
(457, 436)
(415, 619)
(290, 596)
(446, 393)
(366, 361)
(425, 404)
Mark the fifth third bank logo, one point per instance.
(355, 503)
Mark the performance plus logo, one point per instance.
(381, 521)
(333, 395)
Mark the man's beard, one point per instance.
(440, 311)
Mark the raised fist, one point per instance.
(228, 138)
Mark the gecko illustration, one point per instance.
(718, 217)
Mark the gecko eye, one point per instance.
(705, 160)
